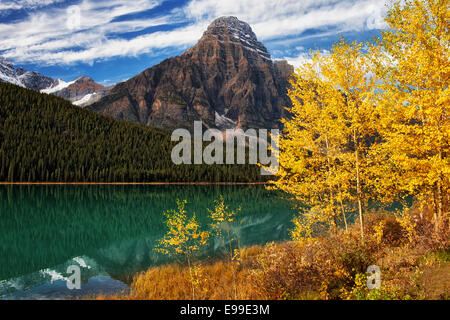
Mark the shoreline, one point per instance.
(129, 183)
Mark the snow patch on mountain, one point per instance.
(223, 122)
(13, 80)
(58, 86)
(82, 91)
(240, 31)
(85, 99)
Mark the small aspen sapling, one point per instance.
(183, 238)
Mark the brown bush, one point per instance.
(393, 233)
(285, 271)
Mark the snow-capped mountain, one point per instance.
(27, 79)
(81, 92)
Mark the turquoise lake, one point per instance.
(110, 232)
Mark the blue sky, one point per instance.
(113, 40)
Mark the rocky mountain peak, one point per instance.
(84, 79)
(231, 29)
(34, 80)
(21, 71)
(227, 80)
(233, 26)
(82, 92)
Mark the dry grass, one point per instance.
(331, 267)
(219, 280)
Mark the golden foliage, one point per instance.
(222, 217)
(184, 236)
(323, 151)
(371, 122)
(379, 231)
(406, 222)
(413, 61)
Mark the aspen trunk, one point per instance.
(440, 196)
(344, 216)
(435, 208)
(358, 185)
(342, 206)
(435, 205)
(440, 200)
(332, 201)
(438, 211)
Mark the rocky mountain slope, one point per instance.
(227, 80)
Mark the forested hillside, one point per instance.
(46, 139)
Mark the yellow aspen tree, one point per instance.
(183, 237)
(306, 147)
(222, 227)
(414, 64)
(348, 70)
(324, 144)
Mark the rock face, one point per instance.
(81, 92)
(28, 79)
(227, 80)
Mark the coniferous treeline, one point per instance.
(46, 139)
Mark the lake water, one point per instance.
(110, 232)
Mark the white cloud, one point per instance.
(9, 6)
(26, 4)
(270, 19)
(45, 38)
(303, 58)
(121, 47)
